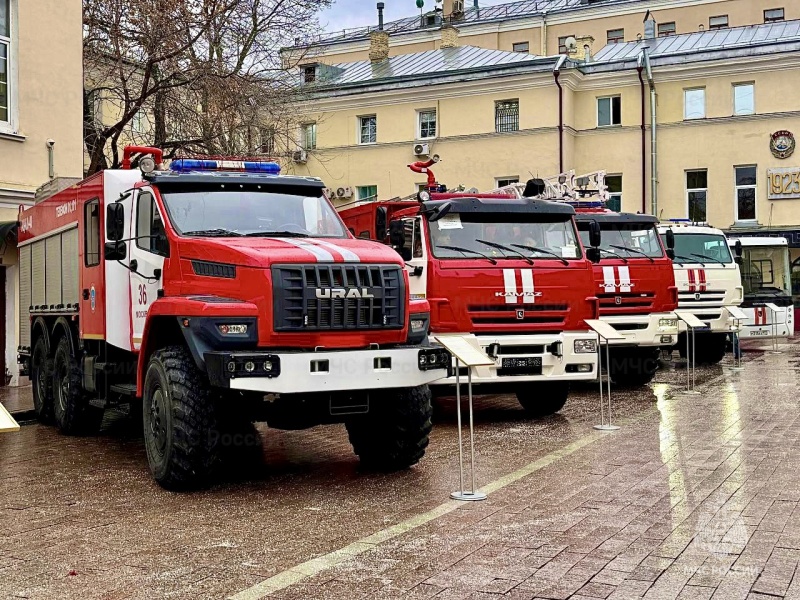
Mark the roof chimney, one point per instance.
(649, 26)
(582, 50)
(379, 39)
(449, 36)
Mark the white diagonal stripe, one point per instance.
(510, 281)
(348, 255)
(609, 279)
(528, 296)
(320, 253)
(624, 279)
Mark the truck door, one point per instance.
(418, 263)
(149, 247)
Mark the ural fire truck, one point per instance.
(633, 277)
(766, 276)
(708, 280)
(510, 271)
(216, 293)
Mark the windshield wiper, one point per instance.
(218, 232)
(296, 234)
(705, 257)
(683, 259)
(465, 250)
(541, 251)
(635, 251)
(501, 247)
(622, 258)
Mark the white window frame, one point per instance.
(360, 132)
(686, 91)
(618, 39)
(368, 198)
(736, 188)
(688, 189)
(424, 111)
(304, 127)
(714, 26)
(740, 84)
(616, 194)
(777, 19)
(664, 33)
(503, 181)
(515, 45)
(9, 125)
(610, 111)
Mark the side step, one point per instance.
(126, 389)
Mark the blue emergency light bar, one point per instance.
(186, 165)
(680, 220)
(591, 204)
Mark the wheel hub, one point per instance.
(158, 426)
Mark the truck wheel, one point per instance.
(73, 413)
(710, 348)
(179, 421)
(543, 399)
(394, 434)
(41, 382)
(634, 368)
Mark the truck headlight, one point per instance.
(671, 323)
(585, 346)
(418, 325)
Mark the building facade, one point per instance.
(41, 113)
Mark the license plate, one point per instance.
(522, 363)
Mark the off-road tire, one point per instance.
(634, 368)
(41, 381)
(543, 399)
(394, 434)
(180, 434)
(710, 348)
(73, 413)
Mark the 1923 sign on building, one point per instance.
(784, 183)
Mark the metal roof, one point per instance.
(718, 39)
(431, 62)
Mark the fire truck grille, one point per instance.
(485, 316)
(704, 299)
(625, 303)
(338, 297)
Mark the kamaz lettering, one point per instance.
(518, 294)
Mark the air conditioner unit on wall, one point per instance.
(422, 149)
(329, 193)
(300, 156)
(344, 192)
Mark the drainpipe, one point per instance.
(653, 135)
(51, 164)
(640, 69)
(544, 33)
(556, 73)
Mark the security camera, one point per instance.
(50, 143)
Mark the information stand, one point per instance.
(774, 310)
(605, 332)
(466, 350)
(738, 315)
(7, 422)
(692, 324)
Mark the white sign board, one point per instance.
(784, 183)
(690, 319)
(737, 313)
(466, 349)
(7, 422)
(606, 331)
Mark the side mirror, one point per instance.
(380, 224)
(593, 254)
(440, 212)
(595, 236)
(739, 260)
(670, 235)
(738, 248)
(671, 253)
(115, 221)
(115, 250)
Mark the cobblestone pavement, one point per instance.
(695, 497)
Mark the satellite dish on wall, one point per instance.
(571, 43)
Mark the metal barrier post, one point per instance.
(605, 332)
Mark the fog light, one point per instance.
(268, 366)
(668, 323)
(584, 368)
(249, 366)
(231, 367)
(417, 325)
(423, 360)
(585, 346)
(666, 339)
(226, 329)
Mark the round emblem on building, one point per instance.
(782, 144)
(93, 298)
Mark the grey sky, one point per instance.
(357, 13)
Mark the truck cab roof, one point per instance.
(503, 206)
(192, 180)
(613, 217)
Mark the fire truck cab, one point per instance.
(212, 295)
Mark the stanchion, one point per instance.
(466, 351)
(605, 332)
(738, 317)
(774, 310)
(692, 325)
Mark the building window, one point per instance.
(309, 136)
(609, 111)
(719, 22)
(521, 47)
(562, 44)
(745, 193)
(615, 36)
(5, 60)
(744, 98)
(697, 194)
(366, 193)
(506, 116)
(694, 103)
(427, 124)
(140, 123)
(771, 15)
(614, 185)
(506, 181)
(309, 73)
(665, 29)
(367, 129)
(266, 140)
(91, 233)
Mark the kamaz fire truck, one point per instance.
(633, 278)
(216, 293)
(510, 271)
(708, 280)
(766, 277)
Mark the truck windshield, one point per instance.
(766, 269)
(470, 231)
(627, 240)
(704, 248)
(223, 213)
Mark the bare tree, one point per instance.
(190, 76)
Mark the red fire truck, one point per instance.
(213, 294)
(510, 271)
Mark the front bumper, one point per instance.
(324, 371)
(553, 368)
(718, 320)
(644, 330)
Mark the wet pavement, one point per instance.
(694, 497)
